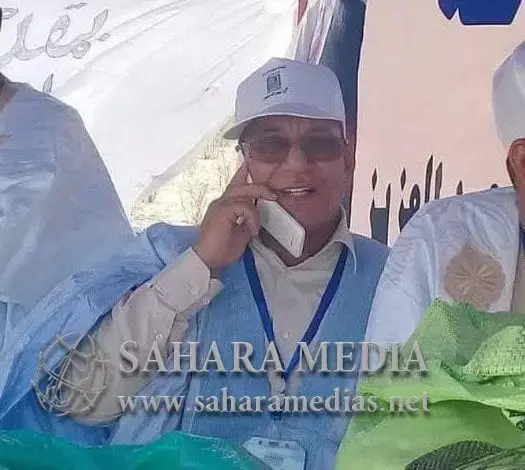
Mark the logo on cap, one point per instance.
(274, 84)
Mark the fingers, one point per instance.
(243, 213)
(237, 201)
(240, 177)
(239, 187)
(251, 191)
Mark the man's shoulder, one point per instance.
(171, 240)
(369, 250)
(42, 104)
(485, 203)
(132, 264)
(366, 243)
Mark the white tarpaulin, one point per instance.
(151, 79)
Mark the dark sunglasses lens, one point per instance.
(323, 148)
(269, 149)
(276, 149)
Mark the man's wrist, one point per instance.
(204, 258)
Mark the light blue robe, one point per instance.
(78, 304)
(59, 211)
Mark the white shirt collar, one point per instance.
(341, 235)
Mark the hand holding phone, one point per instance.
(281, 225)
(231, 222)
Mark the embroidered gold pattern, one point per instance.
(475, 278)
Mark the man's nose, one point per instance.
(296, 157)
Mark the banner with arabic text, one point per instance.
(426, 127)
(152, 80)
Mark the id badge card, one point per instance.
(278, 455)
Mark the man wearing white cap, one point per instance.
(231, 282)
(467, 248)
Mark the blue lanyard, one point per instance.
(262, 307)
(522, 237)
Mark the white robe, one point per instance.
(463, 248)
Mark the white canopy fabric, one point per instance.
(152, 80)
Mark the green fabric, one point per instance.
(21, 450)
(476, 392)
(471, 455)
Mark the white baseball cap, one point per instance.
(284, 87)
(508, 97)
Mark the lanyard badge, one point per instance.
(278, 455)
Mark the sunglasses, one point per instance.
(275, 149)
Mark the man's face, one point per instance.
(516, 168)
(304, 161)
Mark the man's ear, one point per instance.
(350, 148)
(516, 163)
(349, 157)
(510, 171)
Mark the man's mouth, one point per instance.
(298, 192)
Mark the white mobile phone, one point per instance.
(282, 226)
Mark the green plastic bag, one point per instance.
(22, 450)
(475, 402)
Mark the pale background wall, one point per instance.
(425, 89)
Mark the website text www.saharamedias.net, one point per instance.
(341, 401)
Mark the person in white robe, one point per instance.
(467, 248)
